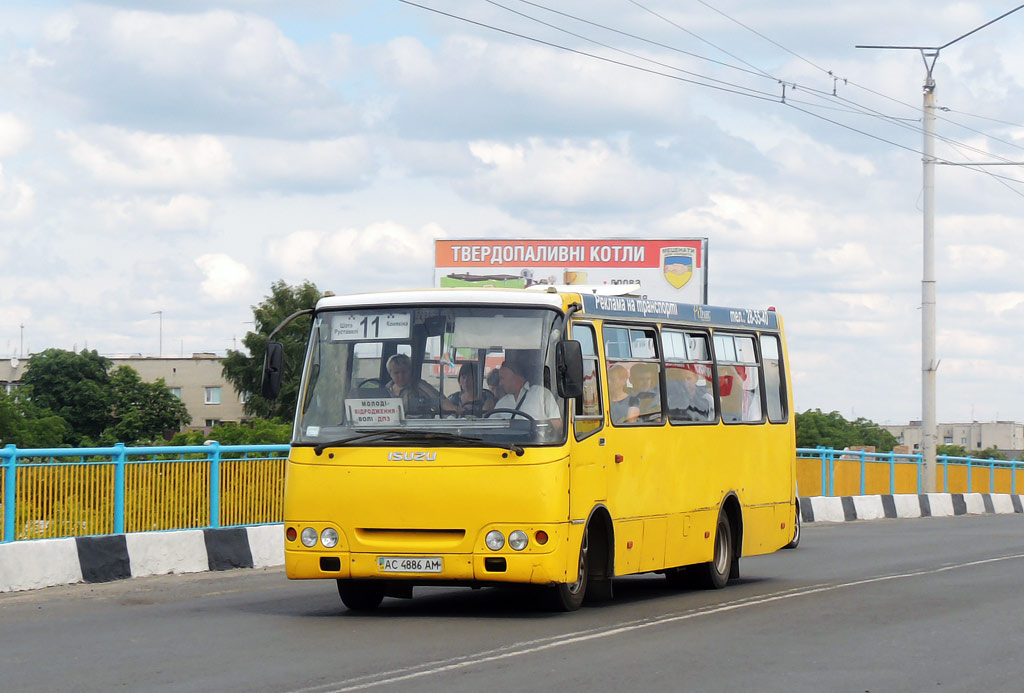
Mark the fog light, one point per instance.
(518, 540)
(494, 540)
(329, 538)
(309, 537)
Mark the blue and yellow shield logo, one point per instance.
(677, 265)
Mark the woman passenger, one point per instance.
(469, 400)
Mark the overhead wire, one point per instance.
(720, 85)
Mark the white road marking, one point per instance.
(526, 647)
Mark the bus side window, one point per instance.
(589, 412)
(634, 375)
(688, 374)
(771, 357)
(739, 382)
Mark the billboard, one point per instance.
(665, 269)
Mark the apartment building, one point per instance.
(1006, 436)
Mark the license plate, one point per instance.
(406, 564)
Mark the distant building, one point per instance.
(1006, 436)
(196, 380)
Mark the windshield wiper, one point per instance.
(404, 434)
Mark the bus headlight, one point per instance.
(494, 540)
(329, 538)
(309, 537)
(518, 540)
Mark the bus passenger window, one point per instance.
(774, 394)
(739, 382)
(688, 377)
(634, 375)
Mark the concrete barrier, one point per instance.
(30, 565)
(27, 565)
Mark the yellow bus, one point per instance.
(543, 437)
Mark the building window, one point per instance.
(176, 391)
(211, 395)
(210, 423)
(948, 440)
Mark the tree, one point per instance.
(992, 453)
(255, 432)
(814, 428)
(22, 424)
(951, 450)
(75, 387)
(142, 411)
(246, 372)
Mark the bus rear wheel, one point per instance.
(569, 596)
(361, 595)
(715, 573)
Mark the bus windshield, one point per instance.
(460, 372)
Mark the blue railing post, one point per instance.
(920, 464)
(831, 472)
(119, 462)
(1013, 477)
(824, 470)
(892, 472)
(991, 475)
(214, 483)
(10, 481)
(968, 475)
(863, 472)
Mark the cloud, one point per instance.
(17, 199)
(15, 134)
(589, 177)
(154, 161)
(226, 278)
(176, 213)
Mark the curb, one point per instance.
(906, 505)
(28, 565)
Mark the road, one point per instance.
(893, 605)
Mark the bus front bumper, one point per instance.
(525, 568)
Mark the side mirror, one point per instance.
(569, 364)
(273, 365)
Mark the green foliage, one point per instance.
(75, 387)
(814, 428)
(142, 411)
(255, 432)
(23, 424)
(951, 450)
(992, 453)
(246, 372)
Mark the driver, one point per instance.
(533, 400)
(419, 398)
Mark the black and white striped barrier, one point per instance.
(906, 505)
(26, 565)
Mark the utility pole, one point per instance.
(160, 313)
(929, 362)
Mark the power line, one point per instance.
(732, 88)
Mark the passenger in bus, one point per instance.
(494, 383)
(646, 395)
(688, 397)
(619, 406)
(534, 400)
(419, 398)
(469, 400)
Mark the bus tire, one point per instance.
(714, 574)
(361, 595)
(569, 596)
(795, 542)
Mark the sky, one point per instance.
(162, 163)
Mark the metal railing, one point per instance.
(62, 492)
(828, 472)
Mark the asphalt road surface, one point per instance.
(935, 604)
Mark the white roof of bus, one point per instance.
(449, 295)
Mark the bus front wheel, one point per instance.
(361, 595)
(569, 596)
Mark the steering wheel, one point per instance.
(515, 413)
(369, 385)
